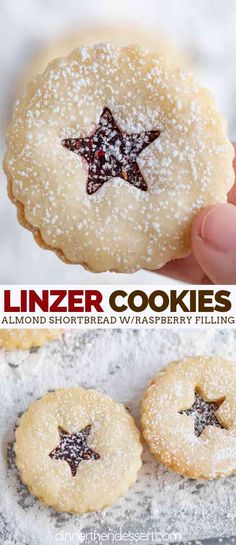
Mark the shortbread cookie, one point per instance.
(87, 36)
(111, 153)
(77, 450)
(189, 417)
(23, 339)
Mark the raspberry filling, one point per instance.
(203, 413)
(109, 152)
(73, 448)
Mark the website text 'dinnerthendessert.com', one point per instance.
(118, 272)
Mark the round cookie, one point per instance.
(24, 339)
(111, 153)
(62, 45)
(189, 417)
(77, 450)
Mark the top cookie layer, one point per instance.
(188, 417)
(120, 227)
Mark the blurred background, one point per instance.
(199, 33)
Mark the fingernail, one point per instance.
(218, 227)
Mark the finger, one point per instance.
(232, 192)
(214, 243)
(186, 270)
(232, 195)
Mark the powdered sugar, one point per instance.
(118, 363)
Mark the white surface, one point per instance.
(205, 28)
(118, 363)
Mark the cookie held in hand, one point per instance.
(77, 450)
(189, 417)
(111, 153)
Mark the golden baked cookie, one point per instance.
(24, 339)
(62, 45)
(189, 417)
(77, 450)
(110, 155)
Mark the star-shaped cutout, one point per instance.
(203, 413)
(73, 448)
(110, 152)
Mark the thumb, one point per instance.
(214, 242)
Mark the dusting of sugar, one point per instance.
(118, 363)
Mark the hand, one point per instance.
(213, 240)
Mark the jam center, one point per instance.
(73, 448)
(203, 413)
(109, 152)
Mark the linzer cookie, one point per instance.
(111, 153)
(24, 339)
(77, 450)
(189, 417)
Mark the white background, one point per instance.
(204, 28)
